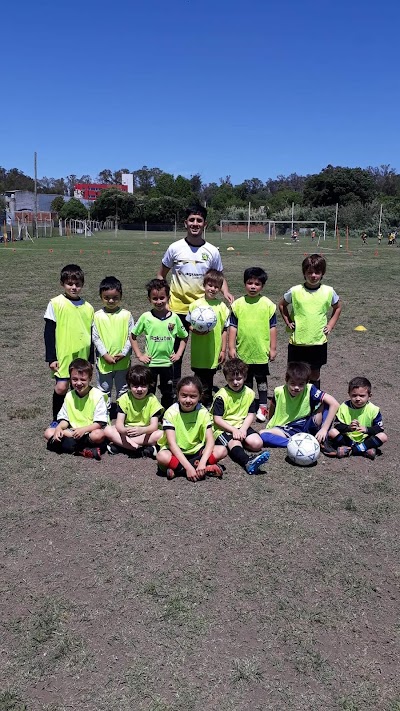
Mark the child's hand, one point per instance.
(232, 353)
(354, 425)
(118, 357)
(174, 357)
(134, 431)
(238, 434)
(272, 354)
(327, 330)
(109, 359)
(144, 359)
(78, 432)
(221, 357)
(54, 366)
(58, 434)
(291, 325)
(192, 474)
(200, 469)
(198, 333)
(321, 435)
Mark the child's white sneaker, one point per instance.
(262, 413)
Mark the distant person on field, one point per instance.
(79, 428)
(364, 237)
(313, 235)
(111, 328)
(379, 237)
(189, 259)
(208, 350)
(307, 320)
(252, 334)
(358, 428)
(298, 406)
(392, 239)
(234, 411)
(136, 429)
(161, 327)
(68, 331)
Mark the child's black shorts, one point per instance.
(315, 356)
(226, 437)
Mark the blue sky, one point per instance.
(219, 87)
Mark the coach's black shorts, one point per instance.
(226, 437)
(315, 356)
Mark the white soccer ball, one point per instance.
(203, 319)
(303, 449)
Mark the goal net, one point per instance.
(273, 229)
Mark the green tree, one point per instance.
(339, 185)
(112, 203)
(163, 210)
(106, 176)
(73, 210)
(57, 204)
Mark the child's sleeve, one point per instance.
(97, 342)
(377, 425)
(100, 412)
(50, 334)
(139, 327)
(218, 408)
(127, 347)
(181, 331)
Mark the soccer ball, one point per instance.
(303, 449)
(203, 319)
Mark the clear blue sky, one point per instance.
(219, 87)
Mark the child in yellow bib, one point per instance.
(307, 321)
(111, 328)
(136, 429)
(358, 428)
(82, 417)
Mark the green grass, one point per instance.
(122, 591)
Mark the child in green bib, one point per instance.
(82, 418)
(136, 429)
(358, 428)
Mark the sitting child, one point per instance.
(187, 445)
(136, 429)
(298, 406)
(234, 410)
(82, 418)
(358, 428)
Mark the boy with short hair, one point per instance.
(252, 334)
(307, 321)
(233, 411)
(67, 332)
(208, 349)
(111, 329)
(298, 406)
(80, 423)
(161, 327)
(358, 428)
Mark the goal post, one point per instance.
(270, 229)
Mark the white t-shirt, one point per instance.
(188, 265)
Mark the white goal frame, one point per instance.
(293, 223)
(267, 227)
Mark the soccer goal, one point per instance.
(315, 230)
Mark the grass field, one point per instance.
(124, 592)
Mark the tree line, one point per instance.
(160, 197)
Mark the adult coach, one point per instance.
(189, 259)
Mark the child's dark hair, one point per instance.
(82, 366)
(157, 285)
(233, 367)
(212, 276)
(196, 210)
(190, 380)
(299, 372)
(110, 282)
(72, 272)
(314, 261)
(139, 375)
(255, 273)
(360, 382)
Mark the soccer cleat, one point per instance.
(262, 413)
(90, 453)
(149, 451)
(370, 453)
(327, 449)
(343, 452)
(171, 473)
(113, 449)
(256, 462)
(213, 470)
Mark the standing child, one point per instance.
(67, 331)
(307, 321)
(160, 327)
(234, 410)
(80, 423)
(252, 334)
(298, 406)
(111, 328)
(136, 429)
(187, 445)
(208, 349)
(358, 428)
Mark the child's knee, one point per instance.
(48, 434)
(97, 436)
(220, 452)
(254, 442)
(383, 437)
(333, 432)
(163, 457)
(61, 387)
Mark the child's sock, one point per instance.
(372, 442)
(211, 459)
(262, 392)
(273, 440)
(173, 462)
(57, 404)
(340, 441)
(239, 456)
